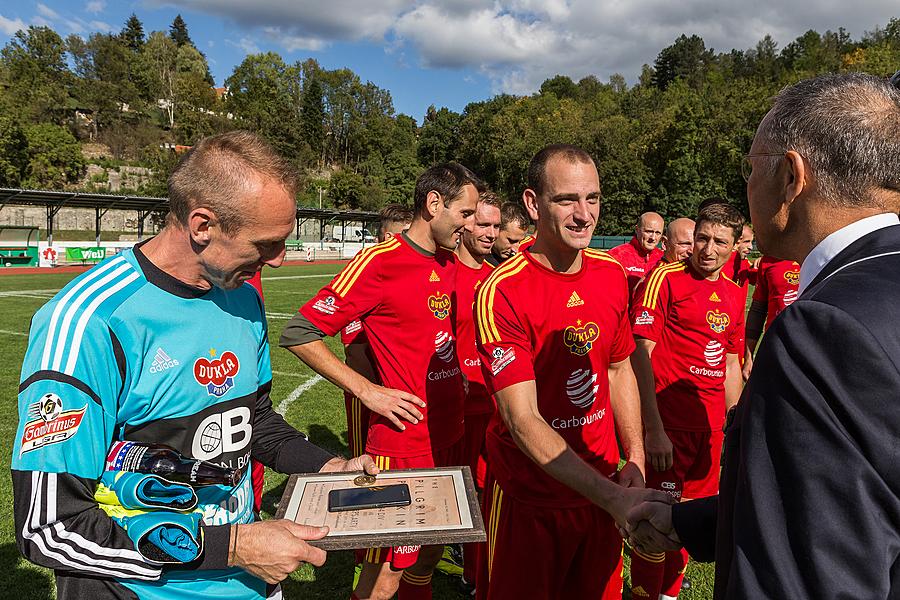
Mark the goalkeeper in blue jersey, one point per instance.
(164, 343)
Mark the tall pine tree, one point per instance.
(133, 33)
(179, 33)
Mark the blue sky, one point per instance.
(452, 52)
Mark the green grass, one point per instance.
(319, 412)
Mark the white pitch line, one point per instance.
(298, 391)
(4, 331)
(298, 276)
(277, 315)
(286, 374)
(42, 297)
(15, 292)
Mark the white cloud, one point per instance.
(101, 26)
(11, 26)
(519, 43)
(46, 11)
(245, 44)
(95, 6)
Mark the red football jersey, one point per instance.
(777, 285)
(352, 333)
(468, 280)
(527, 242)
(695, 322)
(637, 264)
(404, 299)
(562, 331)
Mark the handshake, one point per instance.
(648, 522)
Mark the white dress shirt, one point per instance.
(831, 246)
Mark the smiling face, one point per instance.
(485, 229)
(568, 208)
(713, 245)
(230, 259)
(450, 221)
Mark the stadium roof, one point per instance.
(106, 202)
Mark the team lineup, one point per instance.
(589, 391)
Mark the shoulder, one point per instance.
(620, 250)
(507, 273)
(601, 259)
(657, 279)
(365, 261)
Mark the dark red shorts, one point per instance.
(473, 446)
(695, 465)
(402, 557)
(540, 552)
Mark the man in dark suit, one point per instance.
(809, 502)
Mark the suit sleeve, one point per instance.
(695, 524)
(72, 377)
(816, 510)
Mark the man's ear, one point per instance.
(795, 176)
(200, 222)
(529, 198)
(433, 204)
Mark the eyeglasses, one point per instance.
(747, 164)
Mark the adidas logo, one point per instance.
(574, 300)
(715, 298)
(639, 592)
(434, 277)
(162, 361)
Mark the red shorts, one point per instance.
(473, 446)
(540, 552)
(695, 465)
(357, 424)
(402, 557)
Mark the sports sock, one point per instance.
(414, 587)
(673, 573)
(646, 574)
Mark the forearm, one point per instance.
(626, 406)
(646, 383)
(318, 357)
(548, 449)
(733, 381)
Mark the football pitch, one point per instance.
(307, 402)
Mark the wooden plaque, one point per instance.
(444, 509)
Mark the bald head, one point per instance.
(649, 230)
(678, 240)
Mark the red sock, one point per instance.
(414, 587)
(676, 565)
(646, 575)
(353, 596)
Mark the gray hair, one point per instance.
(847, 127)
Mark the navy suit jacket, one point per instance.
(809, 502)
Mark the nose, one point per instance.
(582, 212)
(276, 260)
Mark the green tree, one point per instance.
(178, 32)
(132, 33)
(439, 136)
(347, 189)
(561, 86)
(13, 153)
(687, 58)
(105, 83)
(54, 157)
(37, 77)
(312, 115)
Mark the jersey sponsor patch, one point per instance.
(51, 424)
(443, 346)
(217, 375)
(581, 388)
(328, 305)
(645, 318)
(790, 296)
(439, 305)
(580, 338)
(792, 277)
(574, 300)
(353, 327)
(717, 320)
(502, 358)
(714, 353)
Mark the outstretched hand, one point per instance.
(649, 527)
